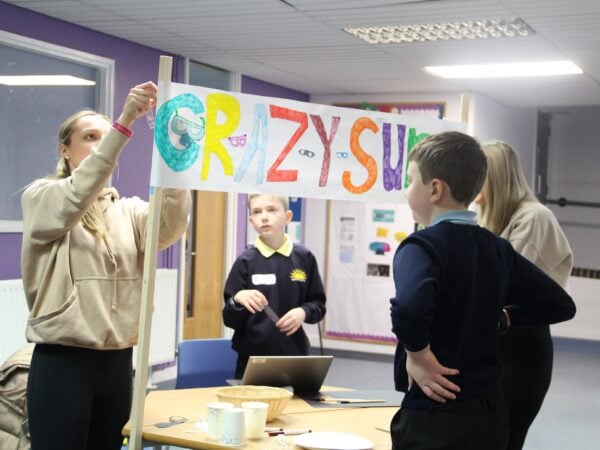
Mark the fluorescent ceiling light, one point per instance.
(444, 31)
(44, 80)
(536, 69)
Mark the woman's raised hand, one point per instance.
(140, 100)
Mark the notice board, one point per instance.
(363, 237)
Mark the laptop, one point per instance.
(303, 373)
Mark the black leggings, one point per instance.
(526, 355)
(78, 398)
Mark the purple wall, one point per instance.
(257, 87)
(10, 262)
(134, 64)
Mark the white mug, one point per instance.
(256, 419)
(234, 427)
(214, 417)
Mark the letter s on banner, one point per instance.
(364, 158)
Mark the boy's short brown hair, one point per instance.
(455, 158)
(284, 200)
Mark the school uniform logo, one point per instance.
(298, 275)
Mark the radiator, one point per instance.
(163, 338)
(14, 313)
(584, 325)
(13, 317)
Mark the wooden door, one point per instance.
(204, 268)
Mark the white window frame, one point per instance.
(106, 76)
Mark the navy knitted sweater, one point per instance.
(452, 281)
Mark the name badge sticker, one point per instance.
(268, 279)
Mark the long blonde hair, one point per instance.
(93, 219)
(505, 187)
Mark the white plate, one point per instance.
(333, 441)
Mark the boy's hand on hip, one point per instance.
(251, 299)
(424, 368)
(291, 321)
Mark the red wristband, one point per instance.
(121, 129)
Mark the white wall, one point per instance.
(573, 163)
(489, 120)
(573, 173)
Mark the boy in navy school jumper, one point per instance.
(274, 272)
(455, 282)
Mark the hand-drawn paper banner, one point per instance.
(223, 141)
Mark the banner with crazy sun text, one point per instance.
(207, 139)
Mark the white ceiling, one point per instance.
(300, 43)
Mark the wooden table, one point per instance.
(298, 414)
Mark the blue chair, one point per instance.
(204, 363)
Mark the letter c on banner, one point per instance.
(177, 159)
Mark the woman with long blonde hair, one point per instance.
(508, 208)
(82, 266)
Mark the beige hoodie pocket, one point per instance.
(57, 312)
(86, 318)
(65, 325)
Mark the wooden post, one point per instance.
(145, 324)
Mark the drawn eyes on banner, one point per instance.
(306, 152)
(342, 155)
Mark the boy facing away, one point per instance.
(272, 288)
(455, 282)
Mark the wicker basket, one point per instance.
(277, 398)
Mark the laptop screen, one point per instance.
(304, 373)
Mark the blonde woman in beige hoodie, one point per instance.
(82, 263)
(508, 208)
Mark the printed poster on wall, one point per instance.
(362, 240)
